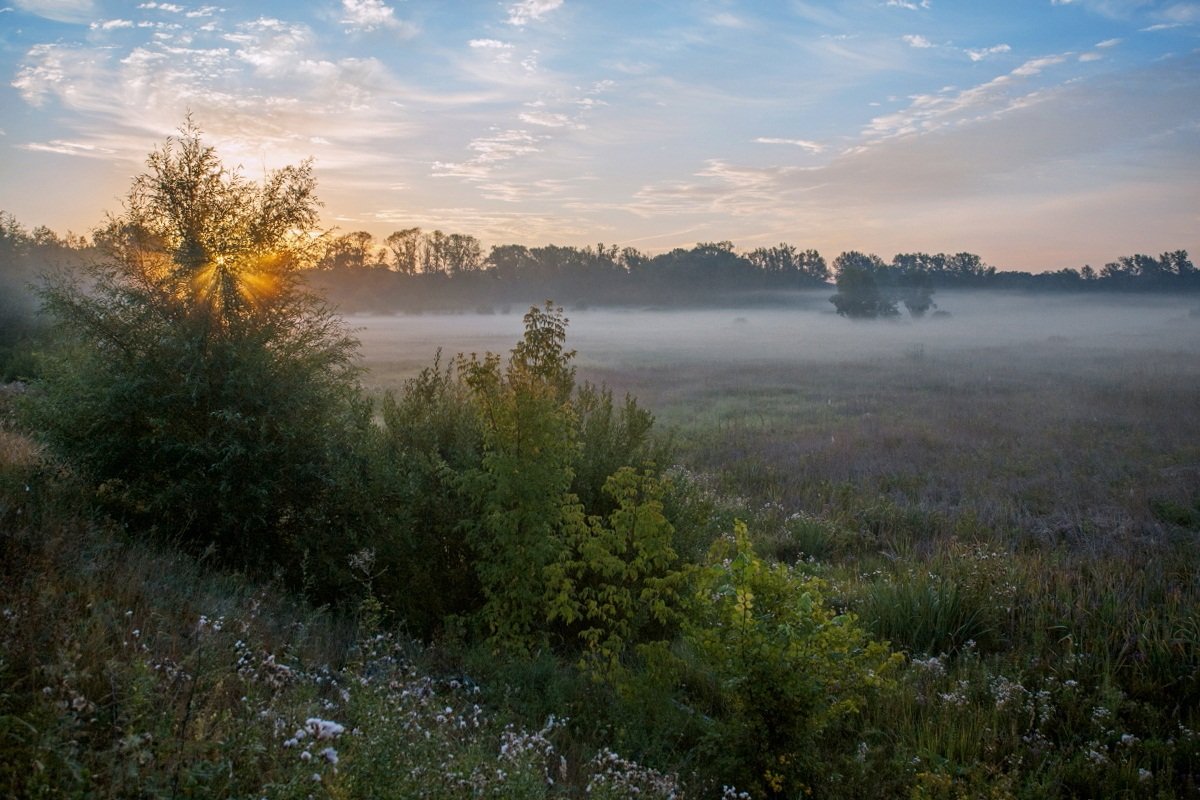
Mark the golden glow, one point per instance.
(232, 285)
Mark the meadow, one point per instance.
(1009, 496)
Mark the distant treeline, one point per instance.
(416, 270)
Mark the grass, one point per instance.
(1020, 519)
(1018, 506)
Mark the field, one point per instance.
(1010, 495)
(1039, 416)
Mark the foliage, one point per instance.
(522, 485)
(777, 676)
(620, 583)
(128, 670)
(610, 437)
(24, 256)
(859, 294)
(431, 438)
(208, 395)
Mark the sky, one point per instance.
(1039, 134)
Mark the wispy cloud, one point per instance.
(500, 52)
(527, 11)
(371, 15)
(75, 11)
(803, 144)
(490, 151)
(68, 148)
(261, 89)
(726, 20)
(916, 40)
(549, 120)
(111, 24)
(981, 54)
(961, 166)
(488, 224)
(929, 112)
(911, 5)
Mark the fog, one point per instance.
(994, 324)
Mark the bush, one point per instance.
(207, 394)
(431, 438)
(770, 677)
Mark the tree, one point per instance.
(914, 284)
(529, 449)
(463, 253)
(435, 253)
(405, 249)
(207, 393)
(350, 251)
(802, 266)
(858, 291)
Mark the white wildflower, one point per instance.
(323, 728)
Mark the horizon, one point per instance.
(1039, 134)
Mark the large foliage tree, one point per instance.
(859, 294)
(209, 395)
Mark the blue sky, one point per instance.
(1037, 133)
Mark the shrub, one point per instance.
(770, 675)
(206, 393)
(431, 438)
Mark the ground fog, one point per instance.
(1049, 416)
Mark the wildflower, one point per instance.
(330, 755)
(323, 728)
(1145, 775)
(305, 756)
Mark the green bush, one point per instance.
(207, 394)
(772, 679)
(621, 582)
(431, 438)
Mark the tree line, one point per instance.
(413, 269)
(416, 270)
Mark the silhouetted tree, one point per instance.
(796, 267)
(858, 291)
(404, 248)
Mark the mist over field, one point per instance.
(1005, 327)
